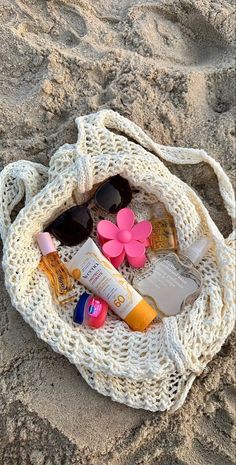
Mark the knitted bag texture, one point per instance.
(155, 369)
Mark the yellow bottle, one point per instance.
(51, 264)
(163, 235)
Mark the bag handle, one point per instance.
(18, 180)
(26, 178)
(179, 155)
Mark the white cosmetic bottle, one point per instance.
(174, 281)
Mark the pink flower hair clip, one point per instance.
(126, 239)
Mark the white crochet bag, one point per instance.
(155, 369)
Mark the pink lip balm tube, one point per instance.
(90, 310)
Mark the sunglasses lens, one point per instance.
(114, 194)
(73, 226)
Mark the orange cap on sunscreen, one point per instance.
(141, 316)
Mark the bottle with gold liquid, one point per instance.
(163, 235)
(57, 273)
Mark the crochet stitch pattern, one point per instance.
(155, 369)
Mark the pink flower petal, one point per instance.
(107, 230)
(137, 262)
(117, 261)
(101, 239)
(146, 243)
(112, 248)
(134, 249)
(125, 219)
(141, 231)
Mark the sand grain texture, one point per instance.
(169, 67)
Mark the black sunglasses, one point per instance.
(76, 224)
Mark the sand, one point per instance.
(169, 67)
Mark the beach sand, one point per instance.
(169, 67)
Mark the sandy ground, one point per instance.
(168, 66)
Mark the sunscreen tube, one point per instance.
(94, 271)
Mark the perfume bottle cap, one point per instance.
(159, 210)
(45, 243)
(197, 250)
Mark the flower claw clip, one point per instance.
(126, 239)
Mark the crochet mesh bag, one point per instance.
(153, 370)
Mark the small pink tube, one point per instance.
(90, 310)
(95, 312)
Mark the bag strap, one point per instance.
(179, 155)
(26, 178)
(18, 180)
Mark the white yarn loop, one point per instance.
(84, 173)
(19, 179)
(155, 369)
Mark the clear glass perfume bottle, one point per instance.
(57, 273)
(163, 235)
(174, 281)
